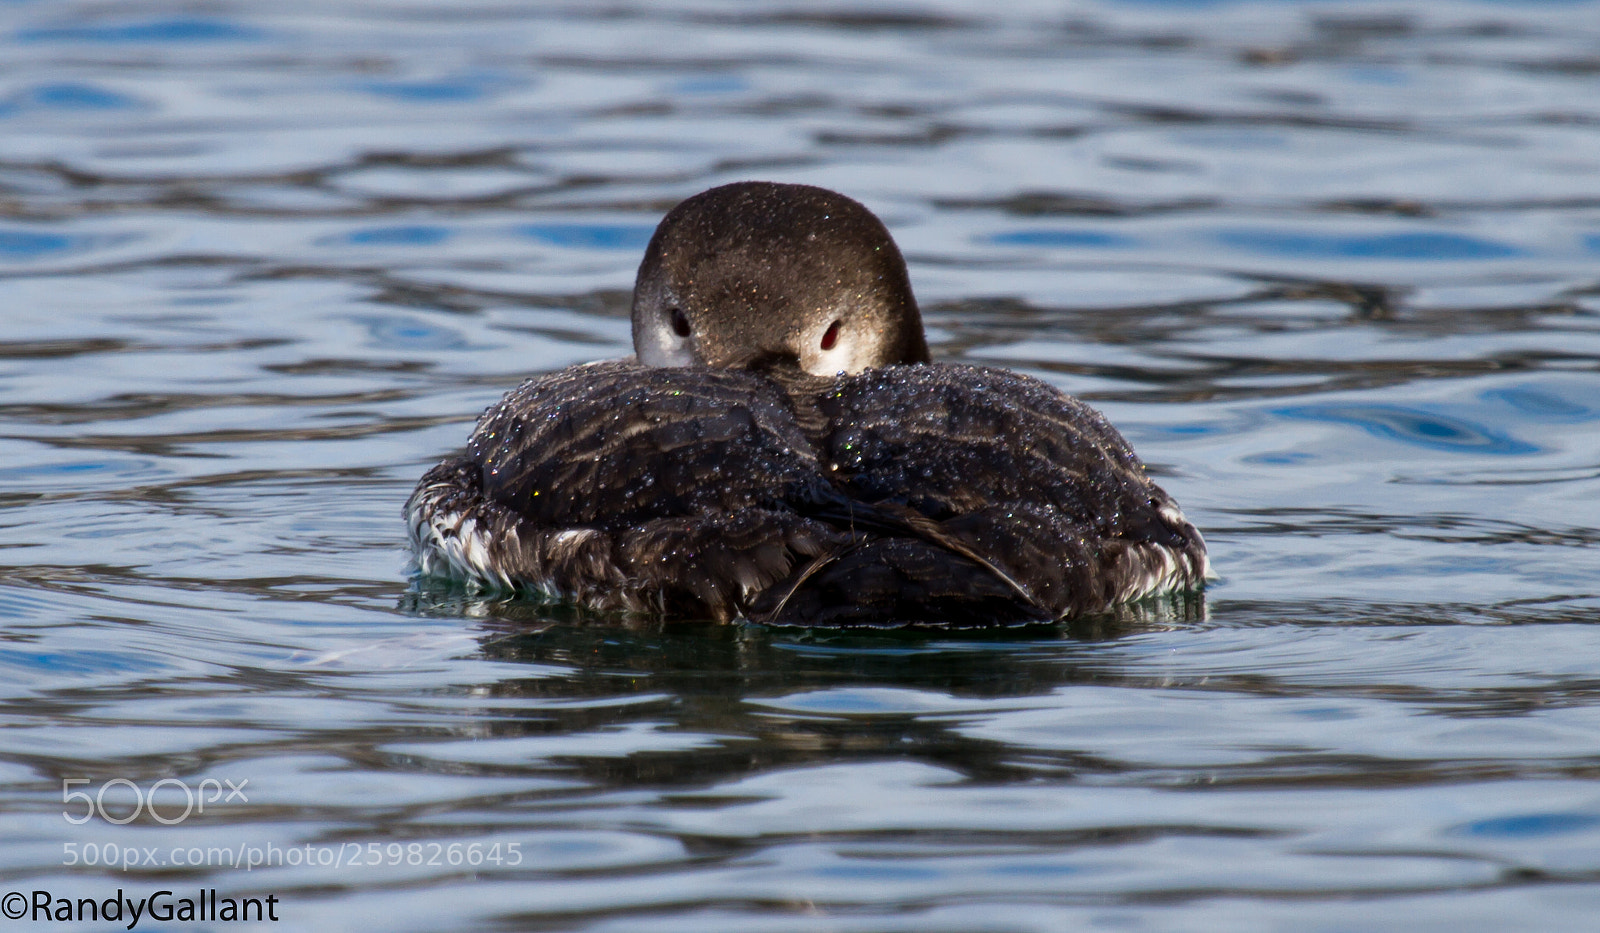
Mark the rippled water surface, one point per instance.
(1333, 268)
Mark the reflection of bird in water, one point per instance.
(781, 449)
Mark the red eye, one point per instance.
(830, 336)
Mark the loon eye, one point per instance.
(680, 324)
(830, 336)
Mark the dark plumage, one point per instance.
(782, 451)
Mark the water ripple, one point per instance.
(1419, 246)
(164, 30)
(1431, 430)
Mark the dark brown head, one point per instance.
(755, 272)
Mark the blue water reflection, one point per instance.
(1538, 404)
(174, 29)
(1420, 246)
(68, 96)
(26, 244)
(1066, 239)
(628, 237)
(711, 84)
(1414, 426)
(1532, 825)
(407, 235)
(441, 90)
(411, 333)
(75, 662)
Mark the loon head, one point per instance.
(756, 272)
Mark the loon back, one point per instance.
(928, 494)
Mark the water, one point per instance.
(1333, 268)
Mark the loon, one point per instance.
(781, 449)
